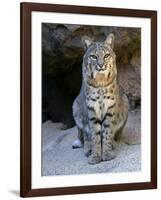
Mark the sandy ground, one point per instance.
(58, 157)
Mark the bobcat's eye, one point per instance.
(93, 57)
(106, 55)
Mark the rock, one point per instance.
(130, 82)
(132, 131)
(63, 51)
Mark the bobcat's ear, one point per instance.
(86, 41)
(110, 40)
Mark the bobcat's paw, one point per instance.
(77, 144)
(94, 160)
(109, 155)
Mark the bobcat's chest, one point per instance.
(100, 100)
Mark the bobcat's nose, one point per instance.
(100, 63)
(100, 66)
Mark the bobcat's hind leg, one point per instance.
(78, 143)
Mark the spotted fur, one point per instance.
(101, 109)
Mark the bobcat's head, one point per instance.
(99, 62)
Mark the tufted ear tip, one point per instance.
(86, 41)
(110, 40)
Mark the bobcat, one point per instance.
(101, 109)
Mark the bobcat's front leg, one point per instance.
(87, 143)
(107, 139)
(95, 129)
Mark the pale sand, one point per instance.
(58, 157)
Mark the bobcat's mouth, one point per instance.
(101, 68)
